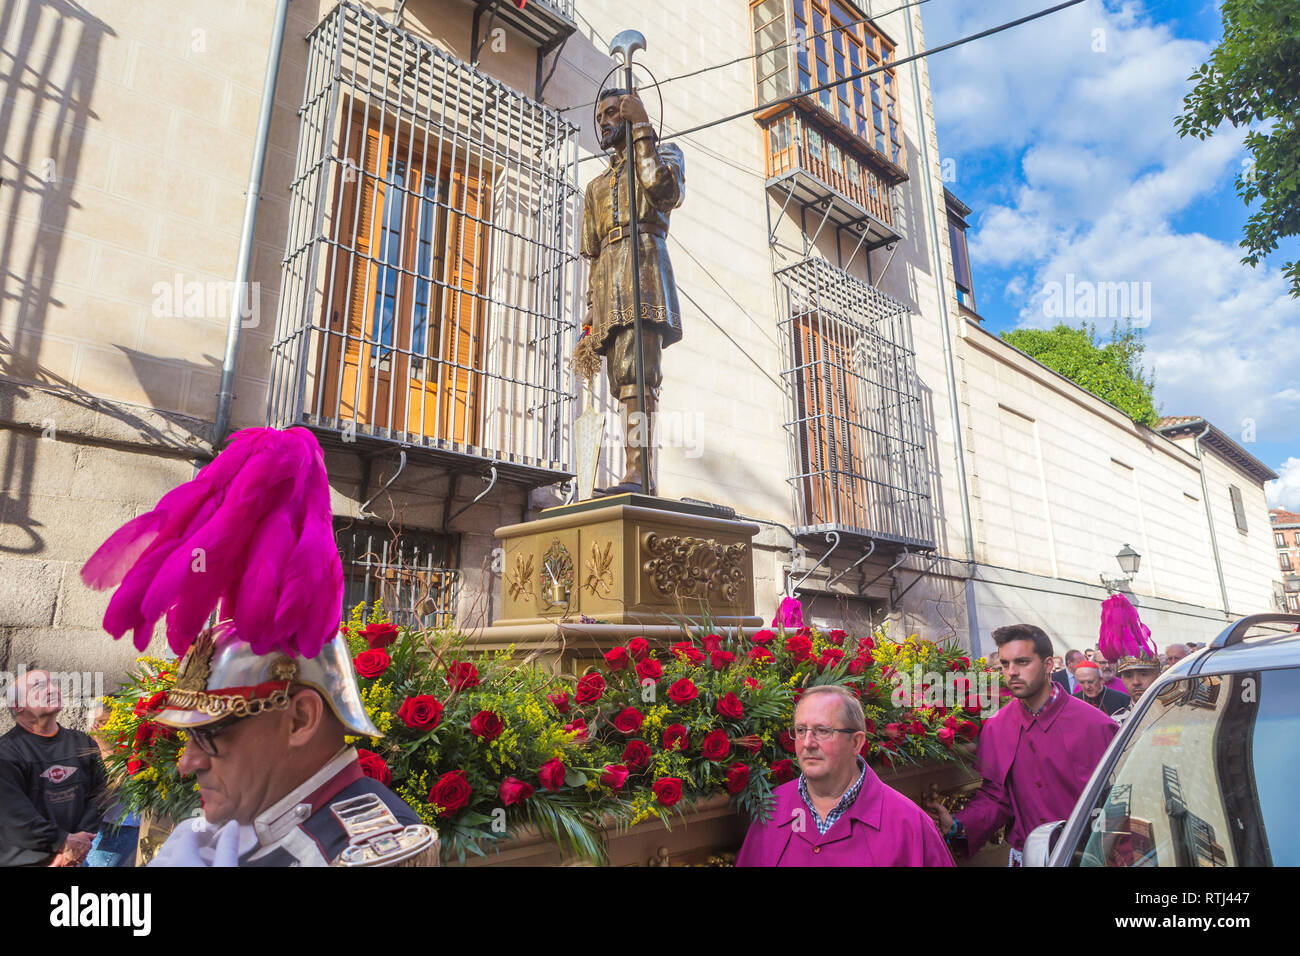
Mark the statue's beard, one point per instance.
(613, 137)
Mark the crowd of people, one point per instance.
(1036, 753)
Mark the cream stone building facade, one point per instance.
(417, 291)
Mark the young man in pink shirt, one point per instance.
(1035, 755)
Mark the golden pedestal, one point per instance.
(612, 568)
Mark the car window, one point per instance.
(1207, 779)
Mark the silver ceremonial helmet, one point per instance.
(220, 677)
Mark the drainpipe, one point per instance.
(226, 394)
(950, 368)
(1209, 519)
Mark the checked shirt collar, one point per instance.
(845, 802)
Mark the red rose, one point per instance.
(959, 664)
(371, 664)
(712, 643)
(649, 669)
(143, 736)
(373, 766)
(871, 727)
(783, 771)
(616, 659)
(668, 790)
(686, 650)
(837, 636)
(589, 688)
(729, 706)
(628, 721)
(799, 648)
(916, 728)
(559, 701)
(860, 663)
(462, 675)
(135, 765)
(972, 705)
(638, 647)
(721, 660)
(636, 754)
(513, 790)
(761, 655)
(155, 703)
(763, 637)
(450, 793)
(578, 728)
(139, 708)
(683, 691)
(786, 740)
(379, 635)
(737, 777)
(422, 712)
(750, 742)
(615, 776)
(865, 750)
(895, 731)
(552, 774)
(753, 684)
(867, 642)
(832, 655)
(968, 729)
(945, 736)
(675, 737)
(716, 746)
(487, 725)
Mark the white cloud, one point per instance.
(1102, 177)
(1285, 492)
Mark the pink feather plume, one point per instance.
(251, 532)
(1122, 632)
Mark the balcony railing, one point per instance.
(857, 424)
(795, 142)
(428, 265)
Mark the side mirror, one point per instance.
(1039, 843)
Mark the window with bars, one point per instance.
(857, 424)
(426, 293)
(405, 571)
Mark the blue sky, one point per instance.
(1059, 135)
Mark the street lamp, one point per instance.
(1129, 561)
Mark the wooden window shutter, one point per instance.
(1238, 508)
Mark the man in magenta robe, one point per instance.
(1035, 754)
(838, 813)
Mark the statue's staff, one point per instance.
(626, 44)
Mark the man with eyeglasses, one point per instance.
(838, 813)
(267, 696)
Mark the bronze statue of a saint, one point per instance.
(606, 242)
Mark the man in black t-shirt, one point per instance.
(52, 781)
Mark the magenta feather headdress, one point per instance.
(252, 531)
(1122, 632)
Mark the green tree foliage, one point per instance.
(1112, 371)
(1253, 79)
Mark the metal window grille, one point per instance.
(857, 424)
(428, 261)
(403, 571)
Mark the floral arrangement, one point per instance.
(480, 744)
(142, 764)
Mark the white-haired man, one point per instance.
(838, 813)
